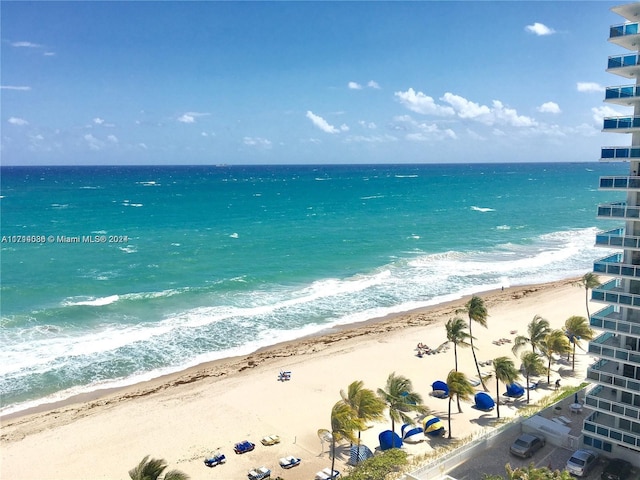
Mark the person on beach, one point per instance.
(557, 384)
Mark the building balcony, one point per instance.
(603, 425)
(613, 266)
(625, 35)
(624, 183)
(610, 319)
(627, 66)
(613, 294)
(622, 153)
(627, 95)
(604, 399)
(609, 346)
(621, 124)
(607, 374)
(617, 239)
(618, 210)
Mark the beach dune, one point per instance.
(186, 417)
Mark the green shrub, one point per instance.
(379, 466)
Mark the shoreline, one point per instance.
(176, 378)
(186, 416)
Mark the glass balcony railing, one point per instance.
(609, 153)
(609, 319)
(611, 293)
(616, 238)
(624, 29)
(620, 123)
(618, 210)
(623, 61)
(624, 437)
(619, 183)
(613, 266)
(598, 373)
(623, 92)
(607, 346)
(598, 400)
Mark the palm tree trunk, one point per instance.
(497, 396)
(450, 416)
(573, 360)
(527, 387)
(458, 400)
(333, 453)
(586, 297)
(455, 354)
(475, 360)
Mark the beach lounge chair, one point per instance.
(270, 440)
(289, 462)
(259, 473)
(284, 376)
(215, 460)
(243, 447)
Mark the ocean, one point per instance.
(115, 275)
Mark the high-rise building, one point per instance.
(612, 426)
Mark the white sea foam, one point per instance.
(93, 302)
(482, 209)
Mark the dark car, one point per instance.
(243, 447)
(526, 445)
(616, 469)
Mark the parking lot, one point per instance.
(493, 460)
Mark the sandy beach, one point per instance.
(185, 417)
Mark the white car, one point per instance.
(581, 462)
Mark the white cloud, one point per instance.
(49, 54)
(373, 84)
(321, 123)
(467, 109)
(21, 122)
(190, 117)
(112, 138)
(539, 29)
(344, 128)
(420, 103)
(15, 87)
(98, 121)
(26, 45)
(510, 116)
(599, 113)
(549, 107)
(371, 138)
(143, 146)
(369, 125)
(257, 142)
(589, 87)
(93, 143)
(421, 132)
(355, 86)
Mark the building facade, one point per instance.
(612, 426)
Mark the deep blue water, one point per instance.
(200, 263)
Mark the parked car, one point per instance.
(581, 462)
(616, 469)
(526, 445)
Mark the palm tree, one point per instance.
(459, 387)
(532, 364)
(457, 335)
(343, 424)
(577, 328)
(477, 313)
(537, 329)
(588, 281)
(152, 469)
(505, 371)
(400, 398)
(366, 405)
(555, 342)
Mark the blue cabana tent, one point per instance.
(389, 439)
(433, 426)
(484, 401)
(515, 390)
(440, 389)
(411, 433)
(358, 453)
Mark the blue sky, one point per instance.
(87, 83)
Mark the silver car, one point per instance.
(526, 445)
(581, 462)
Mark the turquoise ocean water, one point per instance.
(113, 275)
